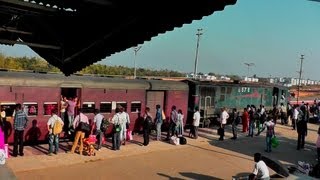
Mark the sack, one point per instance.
(116, 128)
(129, 135)
(183, 140)
(57, 127)
(174, 140)
(6, 150)
(84, 127)
(2, 157)
(274, 142)
(104, 125)
(163, 116)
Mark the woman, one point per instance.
(180, 123)
(245, 120)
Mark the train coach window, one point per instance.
(88, 107)
(122, 103)
(49, 107)
(229, 90)
(222, 97)
(136, 106)
(105, 107)
(9, 108)
(223, 90)
(30, 108)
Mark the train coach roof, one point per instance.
(231, 83)
(167, 85)
(59, 80)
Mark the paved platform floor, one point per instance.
(204, 158)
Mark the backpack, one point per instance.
(148, 121)
(104, 125)
(57, 127)
(237, 120)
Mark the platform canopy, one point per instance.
(72, 34)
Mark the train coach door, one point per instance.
(154, 98)
(275, 96)
(71, 92)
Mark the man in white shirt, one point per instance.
(97, 120)
(53, 138)
(295, 116)
(260, 170)
(224, 116)
(196, 122)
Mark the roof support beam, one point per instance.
(6, 41)
(24, 5)
(14, 30)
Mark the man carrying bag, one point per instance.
(81, 125)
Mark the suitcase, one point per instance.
(183, 140)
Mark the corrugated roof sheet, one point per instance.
(74, 34)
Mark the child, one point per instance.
(318, 145)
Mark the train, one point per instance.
(39, 93)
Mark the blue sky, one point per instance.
(269, 33)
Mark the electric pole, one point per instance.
(249, 64)
(135, 49)
(300, 73)
(197, 51)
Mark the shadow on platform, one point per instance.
(189, 175)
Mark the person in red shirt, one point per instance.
(245, 120)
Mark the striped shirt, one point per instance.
(20, 120)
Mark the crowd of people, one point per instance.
(252, 119)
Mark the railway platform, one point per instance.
(243, 148)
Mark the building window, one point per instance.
(9, 108)
(105, 107)
(136, 106)
(88, 107)
(49, 107)
(122, 103)
(30, 108)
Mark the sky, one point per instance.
(272, 34)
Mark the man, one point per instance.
(196, 122)
(71, 111)
(124, 125)
(172, 123)
(97, 120)
(270, 132)
(19, 124)
(224, 117)
(146, 126)
(79, 132)
(53, 138)
(235, 121)
(158, 121)
(295, 116)
(260, 170)
(283, 114)
(116, 121)
(301, 127)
